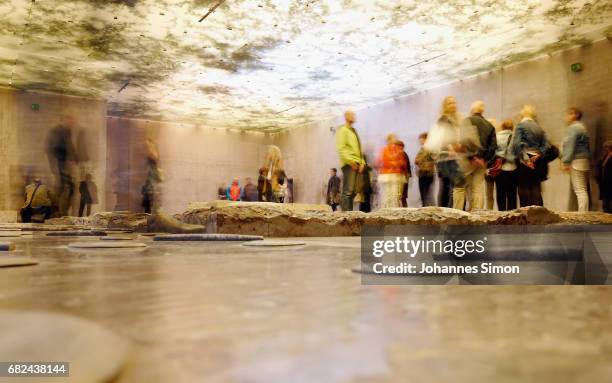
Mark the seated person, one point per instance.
(38, 201)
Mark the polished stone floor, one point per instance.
(223, 312)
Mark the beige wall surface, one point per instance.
(197, 160)
(23, 136)
(194, 160)
(546, 82)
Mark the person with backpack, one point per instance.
(38, 201)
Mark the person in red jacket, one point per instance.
(391, 173)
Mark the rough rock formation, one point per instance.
(305, 220)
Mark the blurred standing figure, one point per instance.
(60, 151)
(234, 191)
(391, 173)
(261, 185)
(408, 174)
(333, 190)
(351, 159)
(274, 175)
(506, 181)
(576, 156)
(605, 177)
(87, 189)
(425, 162)
(150, 190)
(37, 201)
(529, 144)
(474, 171)
(439, 142)
(249, 192)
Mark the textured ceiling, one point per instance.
(272, 64)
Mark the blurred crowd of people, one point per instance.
(475, 163)
(43, 201)
(273, 185)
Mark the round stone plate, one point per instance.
(116, 238)
(11, 261)
(274, 243)
(95, 354)
(207, 237)
(78, 233)
(9, 234)
(106, 245)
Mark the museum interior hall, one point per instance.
(240, 190)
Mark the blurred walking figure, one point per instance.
(439, 142)
(60, 152)
(529, 145)
(604, 177)
(391, 173)
(150, 190)
(261, 184)
(37, 201)
(249, 192)
(351, 160)
(234, 191)
(478, 150)
(576, 156)
(88, 191)
(425, 162)
(333, 190)
(273, 188)
(505, 177)
(407, 174)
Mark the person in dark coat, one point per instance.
(533, 152)
(604, 177)
(249, 191)
(333, 195)
(86, 196)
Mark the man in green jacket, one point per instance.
(351, 159)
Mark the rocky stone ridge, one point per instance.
(304, 220)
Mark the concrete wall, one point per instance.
(195, 161)
(23, 134)
(546, 82)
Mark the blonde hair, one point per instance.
(452, 116)
(507, 125)
(391, 138)
(528, 111)
(274, 159)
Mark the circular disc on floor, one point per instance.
(10, 234)
(106, 245)
(116, 238)
(94, 353)
(10, 261)
(78, 233)
(207, 237)
(274, 243)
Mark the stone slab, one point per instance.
(78, 233)
(16, 261)
(95, 354)
(106, 245)
(274, 243)
(206, 237)
(116, 238)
